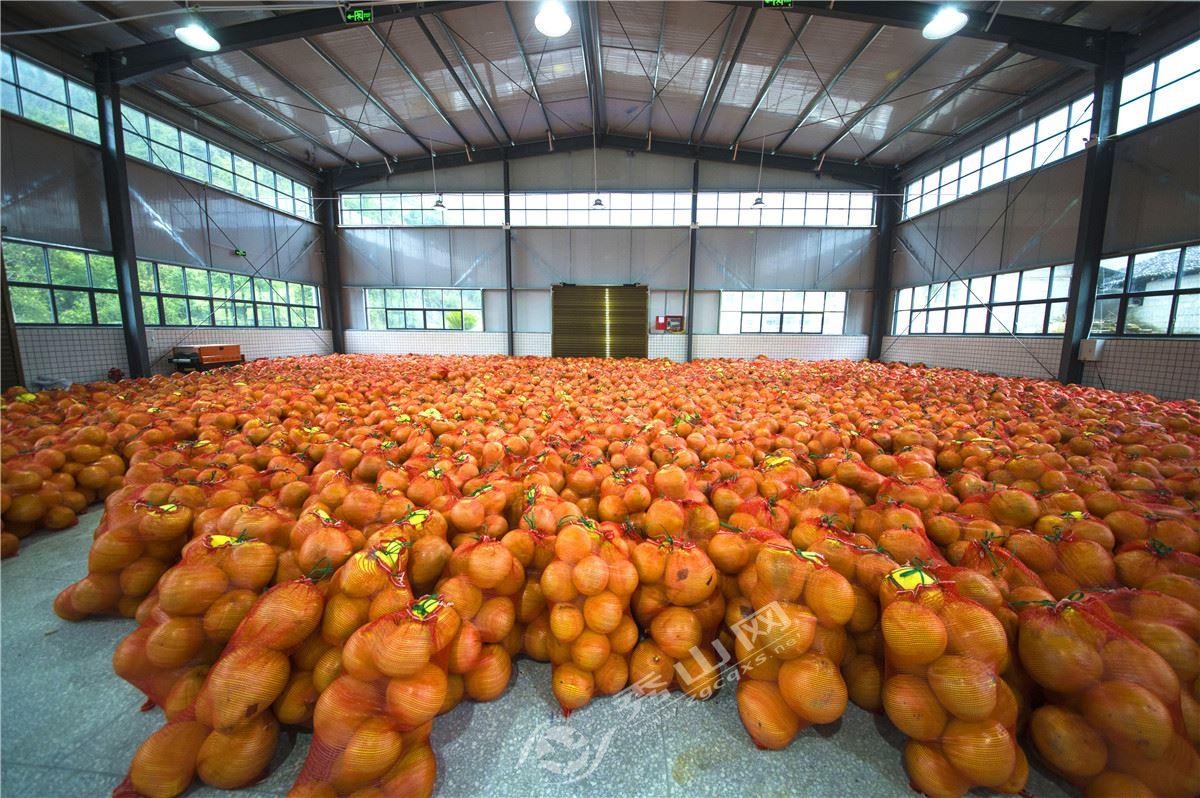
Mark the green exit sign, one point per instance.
(357, 15)
(777, 3)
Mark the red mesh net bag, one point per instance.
(1112, 718)
(228, 736)
(484, 581)
(679, 604)
(192, 614)
(944, 655)
(371, 725)
(789, 642)
(1139, 563)
(587, 588)
(1065, 563)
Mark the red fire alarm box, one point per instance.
(671, 324)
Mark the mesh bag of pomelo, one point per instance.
(533, 550)
(1147, 563)
(789, 643)
(371, 725)
(1008, 507)
(587, 588)
(926, 493)
(140, 537)
(1168, 626)
(228, 735)
(678, 603)
(1112, 724)
(318, 540)
(731, 549)
(371, 584)
(191, 615)
(483, 582)
(944, 655)
(1064, 562)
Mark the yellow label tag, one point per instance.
(811, 556)
(312, 429)
(167, 508)
(430, 412)
(425, 607)
(416, 518)
(26, 397)
(777, 461)
(152, 410)
(911, 578)
(324, 516)
(221, 541)
(404, 418)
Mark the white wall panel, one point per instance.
(616, 170)
(421, 256)
(425, 342)
(366, 255)
(736, 259)
(532, 311)
(1042, 221)
(169, 224)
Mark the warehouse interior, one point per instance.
(836, 183)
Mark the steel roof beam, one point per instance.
(441, 54)
(528, 69)
(762, 93)
(474, 76)
(325, 109)
(1066, 43)
(366, 92)
(827, 88)
(873, 105)
(864, 175)
(662, 32)
(981, 72)
(712, 76)
(733, 60)
(593, 75)
(420, 84)
(137, 63)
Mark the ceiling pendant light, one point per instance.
(946, 22)
(552, 20)
(195, 34)
(758, 201)
(438, 205)
(597, 204)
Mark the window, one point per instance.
(617, 209)
(811, 312)
(186, 296)
(1051, 137)
(785, 209)
(166, 146)
(46, 96)
(1160, 89)
(424, 309)
(417, 209)
(1149, 293)
(1030, 302)
(53, 285)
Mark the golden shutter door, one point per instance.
(600, 320)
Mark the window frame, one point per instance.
(50, 286)
(729, 304)
(988, 303)
(387, 308)
(157, 296)
(1124, 296)
(70, 108)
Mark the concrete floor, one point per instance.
(69, 725)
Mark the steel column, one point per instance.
(333, 263)
(887, 216)
(688, 320)
(1093, 211)
(508, 278)
(120, 218)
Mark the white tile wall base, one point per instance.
(1167, 369)
(255, 343)
(426, 342)
(673, 346)
(534, 344)
(71, 354)
(1028, 357)
(801, 347)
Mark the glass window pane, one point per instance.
(811, 323)
(30, 305)
(266, 315)
(772, 301)
(1178, 96)
(451, 298)
(1152, 271)
(901, 323)
(223, 314)
(222, 284)
(201, 312)
(1060, 286)
(472, 319)
(1057, 323)
(977, 319)
(917, 323)
(242, 287)
(296, 316)
(414, 320)
(814, 301)
(170, 279)
(1148, 315)
(791, 323)
(453, 320)
(1187, 315)
(1112, 275)
(1002, 319)
(751, 301)
(1035, 284)
(958, 293)
(1104, 320)
(104, 271)
(24, 263)
(770, 323)
(1190, 274)
(833, 323)
(72, 307)
(150, 310)
(472, 298)
(731, 301)
(197, 282)
(1005, 289)
(1137, 83)
(375, 298)
(1030, 318)
(42, 80)
(937, 295)
(295, 294)
(751, 322)
(85, 126)
(175, 312)
(954, 321)
(243, 314)
(731, 323)
(835, 301)
(47, 112)
(980, 290)
(431, 298)
(935, 322)
(433, 320)
(68, 267)
(376, 319)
